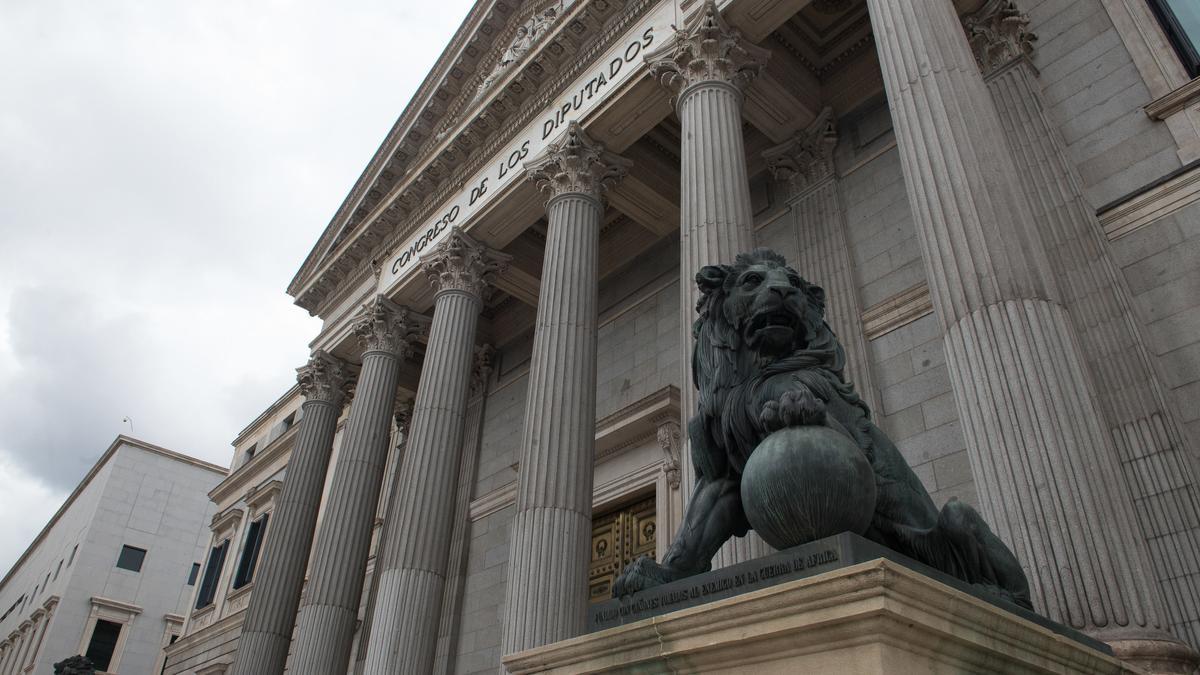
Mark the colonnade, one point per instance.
(1044, 461)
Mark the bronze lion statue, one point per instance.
(766, 360)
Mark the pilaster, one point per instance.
(412, 564)
(271, 615)
(805, 164)
(1028, 408)
(546, 594)
(1152, 450)
(329, 611)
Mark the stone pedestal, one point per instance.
(873, 617)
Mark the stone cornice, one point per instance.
(574, 43)
(391, 160)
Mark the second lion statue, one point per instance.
(766, 360)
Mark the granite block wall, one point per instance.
(1161, 263)
(1095, 94)
(478, 649)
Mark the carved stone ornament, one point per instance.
(325, 378)
(708, 50)
(807, 159)
(997, 34)
(482, 368)
(669, 440)
(576, 164)
(783, 445)
(384, 326)
(402, 411)
(459, 263)
(528, 34)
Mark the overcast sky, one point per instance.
(165, 166)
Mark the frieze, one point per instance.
(617, 66)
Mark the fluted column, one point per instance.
(403, 416)
(546, 595)
(706, 66)
(329, 611)
(267, 630)
(456, 567)
(412, 565)
(1151, 446)
(805, 163)
(1043, 464)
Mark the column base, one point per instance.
(1157, 656)
(873, 617)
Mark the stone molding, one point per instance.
(1168, 104)
(384, 326)
(706, 51)
(1158, 202)
(997, 35)
(807, 159)
(262, 497)
(459, 263)
(576, 164)
(226, 521)
(897, 311)
(325, 378)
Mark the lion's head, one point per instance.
(760, 306)
(772, 310)
(757, 318)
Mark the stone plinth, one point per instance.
(872, 617)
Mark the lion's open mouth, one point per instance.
(773, 319)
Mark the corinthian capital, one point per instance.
(384, 326)
(997, 34)
(806, 159)
(459, 263)
(325, 378)
(576, 164)
(706, 50)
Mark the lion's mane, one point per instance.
(727, 375)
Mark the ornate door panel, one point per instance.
(618, 538)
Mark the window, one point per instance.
(131, 558)
(1181, 21)
(254, 537)
(72, 559)
(46, 582)
(193, 574)
(103, 643)
(250, 453)
(58, 569)
(212, 575)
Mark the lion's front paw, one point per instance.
(796, 408)
(641, 574)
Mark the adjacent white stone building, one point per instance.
(111, 574)
(1000, 197)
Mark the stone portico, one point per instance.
(1006, 242)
